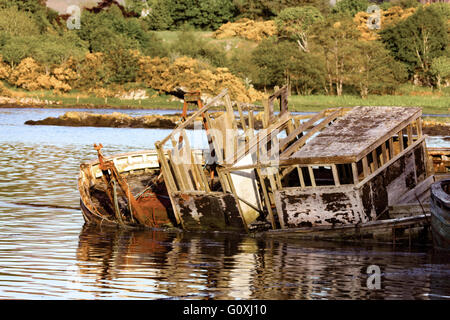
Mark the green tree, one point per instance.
(294, 23)
(336, 42)
(282, 63)
(404, 4)
(109, 29)
(203, 14)
(14, 51)
(350, 7)
(122, 66)
(440, 68)
(417, 40)
(374, 69)
(44, 17)
(159, 17)
(190, 44)
(136, 6)
(268, 9)
(17, 23)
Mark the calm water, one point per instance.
(47, 253)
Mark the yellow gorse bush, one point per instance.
(246, 28)
(388, 17)
(31, 75)
(191, 74)
(157, 73)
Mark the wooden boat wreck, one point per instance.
(440, 214)
(361, 173)
(124, 190)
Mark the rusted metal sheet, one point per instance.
(157, 207)
(319, 206)
(136, 171)
(208, 211)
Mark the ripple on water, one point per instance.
(47, 253)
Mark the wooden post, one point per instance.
(391, 148)
(266, 197)
(337, 183)
(251, 123)
(419, 127)
(410, 136)
(266, 114)
(311, 176)
(300, 176)
(365, 167)
(355, 173)
(384, 157)
(400, 140)
(233, 190)
(168, 178)
(375, 160)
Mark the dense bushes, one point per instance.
(303, 43)
(202, 14)
(417, 40)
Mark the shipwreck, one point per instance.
(360, 173)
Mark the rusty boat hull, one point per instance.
(139, 169)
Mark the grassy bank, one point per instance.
(430, 104)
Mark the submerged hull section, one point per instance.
(209, 212)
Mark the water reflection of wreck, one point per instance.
(116, 262)
(359, 173)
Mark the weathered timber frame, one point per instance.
(187, 180)
(354, 175)
(188, 185)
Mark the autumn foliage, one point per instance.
(190, 74)
(31, 75)
(247, 29)
(388, 17)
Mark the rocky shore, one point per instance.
(433, 128)
(114, 120)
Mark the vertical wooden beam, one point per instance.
(384, 157)
(400, 141)
(278, 180)
(233, 190)
(337, 183)
(290, 128)
(300, 176)
(251, 123)
(376, 165)
(169, 180)
(355, 173)
(410, 136)
(311, 176)
(266, 198)
(365, 167)
(178, 177)
(273, 184)
(419, 127)
(391, 148)
(223, 181)
(266, 114)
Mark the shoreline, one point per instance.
(312, 109)
(171, 121)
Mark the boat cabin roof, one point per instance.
(355, 134)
